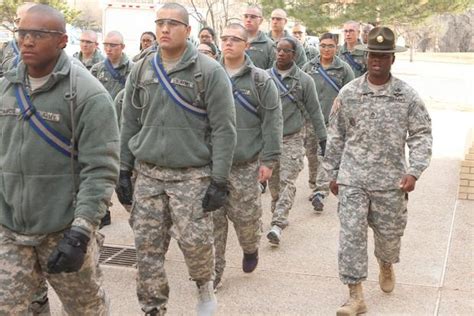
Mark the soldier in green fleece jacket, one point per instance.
(261, 47)
(178, 131)
(50, 203)
(299, 98)
(259, 134)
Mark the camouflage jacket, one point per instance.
(339, 71)
(360, 66)
(310, 51)
(8, 52)
(111, 84)
(368, 131)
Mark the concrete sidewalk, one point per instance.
(435, 275)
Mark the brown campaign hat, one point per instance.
(381, 39)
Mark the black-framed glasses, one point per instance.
(328, 46)
(111, 45)
(285, 50)
(36, 35)
(232, 39)
(251, 16)
(169, 22)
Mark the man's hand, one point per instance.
(215, 197)
(124, 187)
(70, 252)
(334, 187)
(407, 184)
(264, 173)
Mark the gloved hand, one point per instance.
(215, 197)
(124, 187)
(322, 145)
(70, 253)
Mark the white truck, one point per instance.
(132, 18)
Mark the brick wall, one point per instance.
(466, 181)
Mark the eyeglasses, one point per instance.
(232, 39)
(328, 46)
(251, 16)
(87, 42)
(349, 31)
(285, 50)
(36, 35)
(171, 23)
(205, 51)
(297, 33)
(145, 40)
(111, 45)
(277, 18)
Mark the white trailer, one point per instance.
(132, 18)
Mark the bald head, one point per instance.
(89, 35)
(279, 13)
(116, 35)
(183, 13)
(50, 17)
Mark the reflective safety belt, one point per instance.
(242, 99)
(39, 125)
(114, 72)
(351, 61)
(328, 79)
(281, 86)
(165, 82)
(15, 48)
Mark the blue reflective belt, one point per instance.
(171, 90)
(115, 74)
(351, 61)
(328, 79)
(243, 101)
(16, 60)
(46, 132)
(15, 48)
(281, 86)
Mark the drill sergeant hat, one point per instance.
(381, 40)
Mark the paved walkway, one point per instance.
(434, 277)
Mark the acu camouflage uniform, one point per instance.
(258, 136)
(368, 132)
(111, 84)
(177, 152)
(282, 183)
(341, 73)
(97, 57)
(261, 51)
(360, 65)
(310, 51)
(8, 53)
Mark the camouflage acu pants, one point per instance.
(23, 262)
(164, 209)
(311, 147)
(385, 212)
(282, 183)
(244, 209)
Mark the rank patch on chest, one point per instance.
(182, 82)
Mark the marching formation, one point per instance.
(187, 137)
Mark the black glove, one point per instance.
(215, 197)
(124, 187)
(322, 145)
(70, 253)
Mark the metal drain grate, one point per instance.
(119, 256)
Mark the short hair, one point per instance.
(177, 7)
(238, 26)
(115, 33)
(90, 32)
(353, 22)
(328, 36)
(290, 40)
(212, 46)
(148, 33)
(300, 25)
(46, 10)
(210, 30)
(22, 8)
(256, 6)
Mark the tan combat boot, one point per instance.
(386, 276)
(355, 304)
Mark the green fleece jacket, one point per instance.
(111, 84)
(35, 179)
(258, 134)
(300, 57)
(339, 71)
(157, 130)
(261, 51)
(301, 87)
(96, 58)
